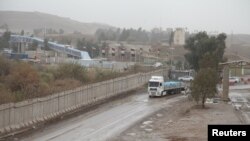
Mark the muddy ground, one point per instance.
(182, 121)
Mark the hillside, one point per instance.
(238, 44)
(28, 21)
(243, 39)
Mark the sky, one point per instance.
(229, 16)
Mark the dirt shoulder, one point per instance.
(182, 121)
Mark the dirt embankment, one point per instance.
(181, 122)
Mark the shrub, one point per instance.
(72, 71)
(24, 78)
(64, 84)
(102, 75)
(19, 96)
(43, 89)
(92, 74)
(4, 66)
(46, 77)
(5, 95)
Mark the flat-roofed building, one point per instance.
(179, 36)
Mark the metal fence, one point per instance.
(14, 116)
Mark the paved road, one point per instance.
(105, 122)
(240, 98)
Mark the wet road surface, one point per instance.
(105, 122)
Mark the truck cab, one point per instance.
(155, 86)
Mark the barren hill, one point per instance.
(28, 21)
(238, 45)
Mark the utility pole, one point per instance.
(171, 57)
(44, 37)
(231, 41)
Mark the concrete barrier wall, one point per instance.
(14, 116)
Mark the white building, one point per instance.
(179, 36)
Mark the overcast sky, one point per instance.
(210, 15)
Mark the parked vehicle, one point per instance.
(234, 79)
(186, 78)
(157, 64)
(175, 74)
(158, 87)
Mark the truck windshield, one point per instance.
(153, 84)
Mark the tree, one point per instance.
(61, 31)
(46, 46)
(81, 44)
(37, 31)
(22, 32)
(102, 37)
(4, 40)
(124, 35)
(34, 45)
(208, 61)
(88, 45)
(65, 40)
(200, 44)
(171, 38)
(204, 56)
(179, 65)
(204, 85)
(5, 27)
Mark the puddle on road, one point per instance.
(240, 100)
(147, 122)
(131, 134)
(159, 115)
(239, 97)
(148, 129)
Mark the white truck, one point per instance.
(158, 87)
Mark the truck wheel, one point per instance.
(162, 94)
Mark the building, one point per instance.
(2, 32)
(169, 30)
(179, 36)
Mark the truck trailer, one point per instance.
(158, 87)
